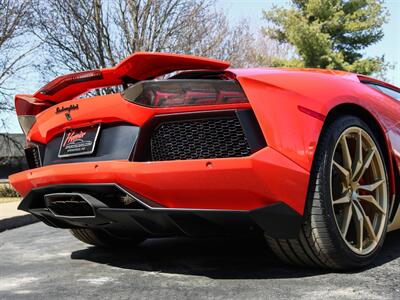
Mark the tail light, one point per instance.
(179, 92)
(62, 82)
(27, 107)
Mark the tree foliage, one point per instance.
(329, 33)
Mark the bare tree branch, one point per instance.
(9, 145)
(14, 26)
(79, 35)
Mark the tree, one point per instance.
(14, 20)
(329, 33)
(80, 35)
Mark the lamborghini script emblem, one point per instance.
(66, 109)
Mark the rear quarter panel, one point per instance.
(276, 96)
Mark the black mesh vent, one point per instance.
(201, 138)
(32, 155)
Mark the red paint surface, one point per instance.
(279, 172)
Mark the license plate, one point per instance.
(79, 141)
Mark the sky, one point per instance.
(251, 10)
(389, 46)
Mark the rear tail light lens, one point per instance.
(63, 81)
(167, 93)
(26, 123)
(27, 107)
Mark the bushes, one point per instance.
(6, 191)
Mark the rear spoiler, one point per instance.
(368, 79)
(139, 66)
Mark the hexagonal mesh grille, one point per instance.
(195, 139)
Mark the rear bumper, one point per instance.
(246, 183)
(148, 219)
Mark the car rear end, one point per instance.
(179, 156)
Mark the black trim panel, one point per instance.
(115, 142)
(149, 219)
(251, 129)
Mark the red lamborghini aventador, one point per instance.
(308, 158)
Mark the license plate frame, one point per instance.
(79, 141)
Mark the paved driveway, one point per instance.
(39, 262)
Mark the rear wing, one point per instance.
(137, 67)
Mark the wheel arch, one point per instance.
(370, 119)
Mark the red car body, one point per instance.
(290, 107)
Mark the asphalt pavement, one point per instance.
(39, 262)
(11, 217)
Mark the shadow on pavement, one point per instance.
(222, 258)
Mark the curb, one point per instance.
(18, 221)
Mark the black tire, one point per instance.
(101, 238)
(320, 243)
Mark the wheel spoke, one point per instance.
(359, 221)
(346, 153)
(342, 200)
(371, 187)
(370, 155)
(348, 214)
(345, 174)
(370, 229)
(358, 157)
(371, 199)
(367, 221)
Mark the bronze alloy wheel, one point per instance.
(359, 190)
(346, 214)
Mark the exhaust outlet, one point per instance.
(72, 205)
